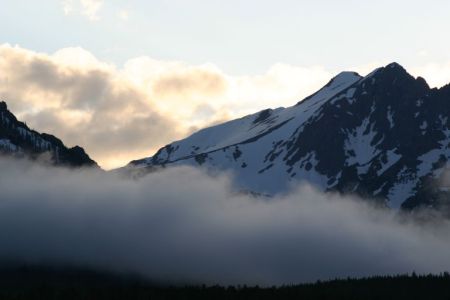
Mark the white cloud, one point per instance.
(437, 74)
(85, 102)
(123, 113)
(91, 8)
(184, 88)
(88, 8)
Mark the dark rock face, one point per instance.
(18, 140)
(407, 120)
(3, 106)
(384, 137)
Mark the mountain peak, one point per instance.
(346, 76)
(394, 69)
(338, 83)
(394, 73)
(395, 65)
(347, 73)
(3, 106)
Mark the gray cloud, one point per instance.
(183, 225)
(90, 106)
(191, 82)
(139, 107)
(80, 99)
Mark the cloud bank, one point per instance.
(124, 113)
(183, 226)
(121, 114)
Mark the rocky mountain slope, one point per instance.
(16, 139)
(385, 136)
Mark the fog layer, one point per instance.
(181, 225)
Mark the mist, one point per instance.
(181, 225)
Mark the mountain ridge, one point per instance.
(379, 137)
(17, 139)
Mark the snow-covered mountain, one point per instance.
(384, 136)
(18, 140)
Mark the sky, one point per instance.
(123, 78)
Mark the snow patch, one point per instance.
(359, 147)
(424, 125)
(403, 189)
(391, 159)
(390, 117)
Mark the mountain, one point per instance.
(16, 139)
(384, 137)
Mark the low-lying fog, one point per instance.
(181, 225)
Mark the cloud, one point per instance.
(88, 8)
(190, 83)
(184, 226)
(437, 74)
(91, 8)
(88, 104)
(121, 114)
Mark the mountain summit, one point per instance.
(16, 139)
(384, 137)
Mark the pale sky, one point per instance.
(123, 78)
